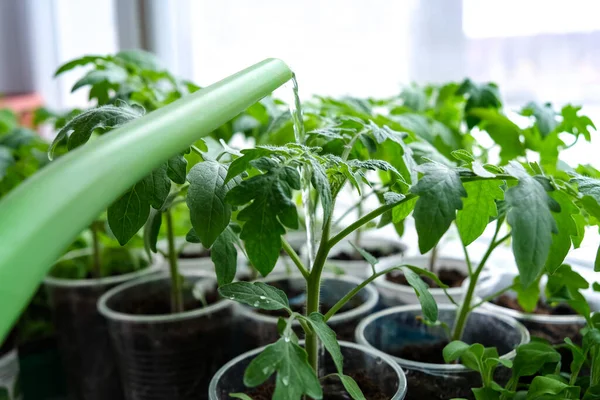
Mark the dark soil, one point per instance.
(424, 352)
(422, 386)
(175, 359)
(195, 254)
(376, 252)
(332, 389)
(449, 276)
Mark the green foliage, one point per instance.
(257, 294)
(479, 207)
(478, 96)
(440, 195)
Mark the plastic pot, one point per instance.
(359, 362)
(394, 294)
(553, 328)
(10, 383)
(83, 339)
(392, 330)
(259, 329)
(360, 267)
(164, 355)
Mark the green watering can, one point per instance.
(41, 217)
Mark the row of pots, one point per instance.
(174, 356)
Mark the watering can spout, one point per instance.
(41, 217)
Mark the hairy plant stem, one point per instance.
(465, 308)
(96, 252)
(433, 258)
(295, 258)
(176, 292)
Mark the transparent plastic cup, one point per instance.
(82, 333)
(260, 329)
(391, 330)
(10, 388)
(169, 356)
(359, 361)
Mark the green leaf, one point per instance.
(505, 133)
(242, 163)
(328, 338)
(80, 128)
(403, 210)
(158, 186)
(454, 351)
(428, 304)
(590, 189)
(295, 377)
(531, 357)
(580, 225)
(6, 160)
(129, 213)
(414, 97)
(224, 255)
(531, 221)
(320, 182)
(351, 387)
(561, 241)
(242, 396)
(541, 386)
(366, 255)
(257, 294)
(527, 297)
(209, 213)
(110, 75)
(271, 208)
(486, 393)
(79, 62)
(479, 207)
(544, 115)
(440, 196)
(151, 230)
(192, 236)
(176, 168)
(463, 155)
(140, 58)
(574, 123)
(479, 96)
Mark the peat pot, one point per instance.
(82, 334)
(259, 327)
(378, 376)
(417, 348)
(164, 355)
(394, 294)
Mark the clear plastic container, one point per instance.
(169, 356)
(393, 294)
(553, 328)
(392, 329)
(82, 333)
(371, 364)
(10, 388)
(260, 329)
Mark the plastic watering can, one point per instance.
(42, 216)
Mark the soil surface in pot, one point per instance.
(449, 276)
(297, 298)
(554, 333)
(332, 389)
(161, 305)
(351, 255)
(204, 253)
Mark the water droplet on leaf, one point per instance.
(256, 304)
(262, 297)
(287, 339)
(285, 381)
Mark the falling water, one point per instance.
(305, 174)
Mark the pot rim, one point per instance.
(368, 238)
(399, 395)
(369, 304)
(155, 265)
(113, 315)
(485, 277)
(433, 368)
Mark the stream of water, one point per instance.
(305, 174)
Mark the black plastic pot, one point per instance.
(392, 330)
(168, 356)
(259, 328)
(371, 368)
(82, 333)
